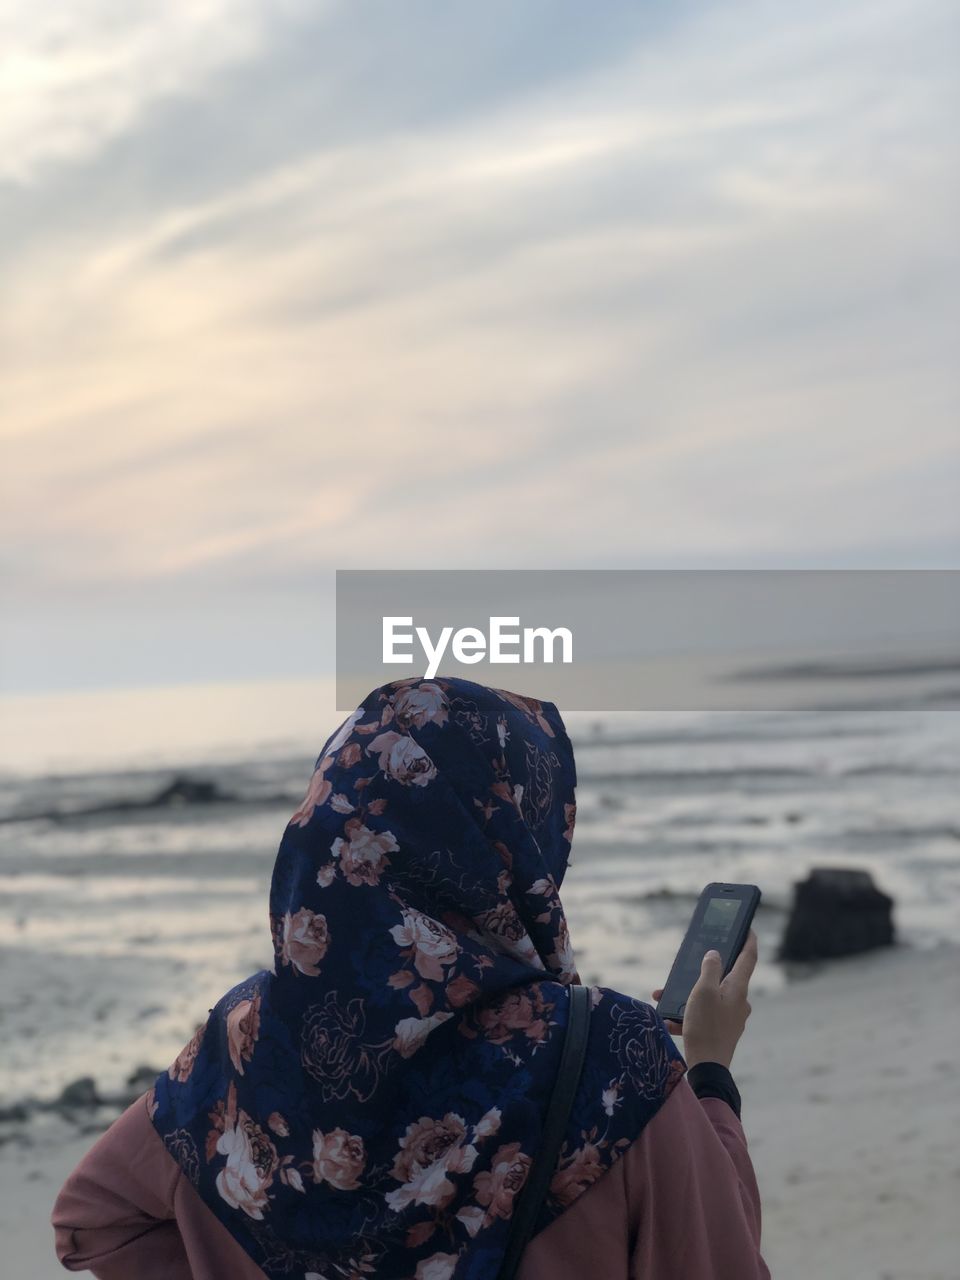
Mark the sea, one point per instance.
(138, 831)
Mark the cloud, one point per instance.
(76, 76)
(478, 292)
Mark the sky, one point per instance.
(289, 287)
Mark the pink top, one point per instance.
(681, 1203)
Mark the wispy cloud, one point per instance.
(681, 291)
(74, 77)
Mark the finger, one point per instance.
(657, 993)
(746, 962)
(674, 1028)
(711, 969)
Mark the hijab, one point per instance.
(371, 1105)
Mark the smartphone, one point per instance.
(721, 921)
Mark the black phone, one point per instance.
(721, 921)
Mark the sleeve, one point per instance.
(114, 1215)
(713, 1080)
(692, 1185)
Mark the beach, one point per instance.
(134, 889)
(851, 1103)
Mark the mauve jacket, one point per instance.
(681, 1203)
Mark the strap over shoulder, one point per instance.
(527, 1207)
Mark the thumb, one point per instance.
(711, 968)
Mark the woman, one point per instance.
(370, 1106)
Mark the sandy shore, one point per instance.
(851, 1103)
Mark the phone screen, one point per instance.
(719, 923)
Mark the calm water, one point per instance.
(119, 930)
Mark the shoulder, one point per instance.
(126, 1175)
(631, 1068)
(129, 1132)
(633, 1039)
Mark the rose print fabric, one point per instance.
(372, 1104)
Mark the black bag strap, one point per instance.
(528, 1204)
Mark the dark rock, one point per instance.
(184, 790)
(142, 1078)
(16, 1111)
(80, 1093)
(837, 912)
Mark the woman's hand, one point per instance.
(717, 1008)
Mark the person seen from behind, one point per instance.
(370, 1107)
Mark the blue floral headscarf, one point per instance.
(370, 1106)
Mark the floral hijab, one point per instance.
(371, 1105)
